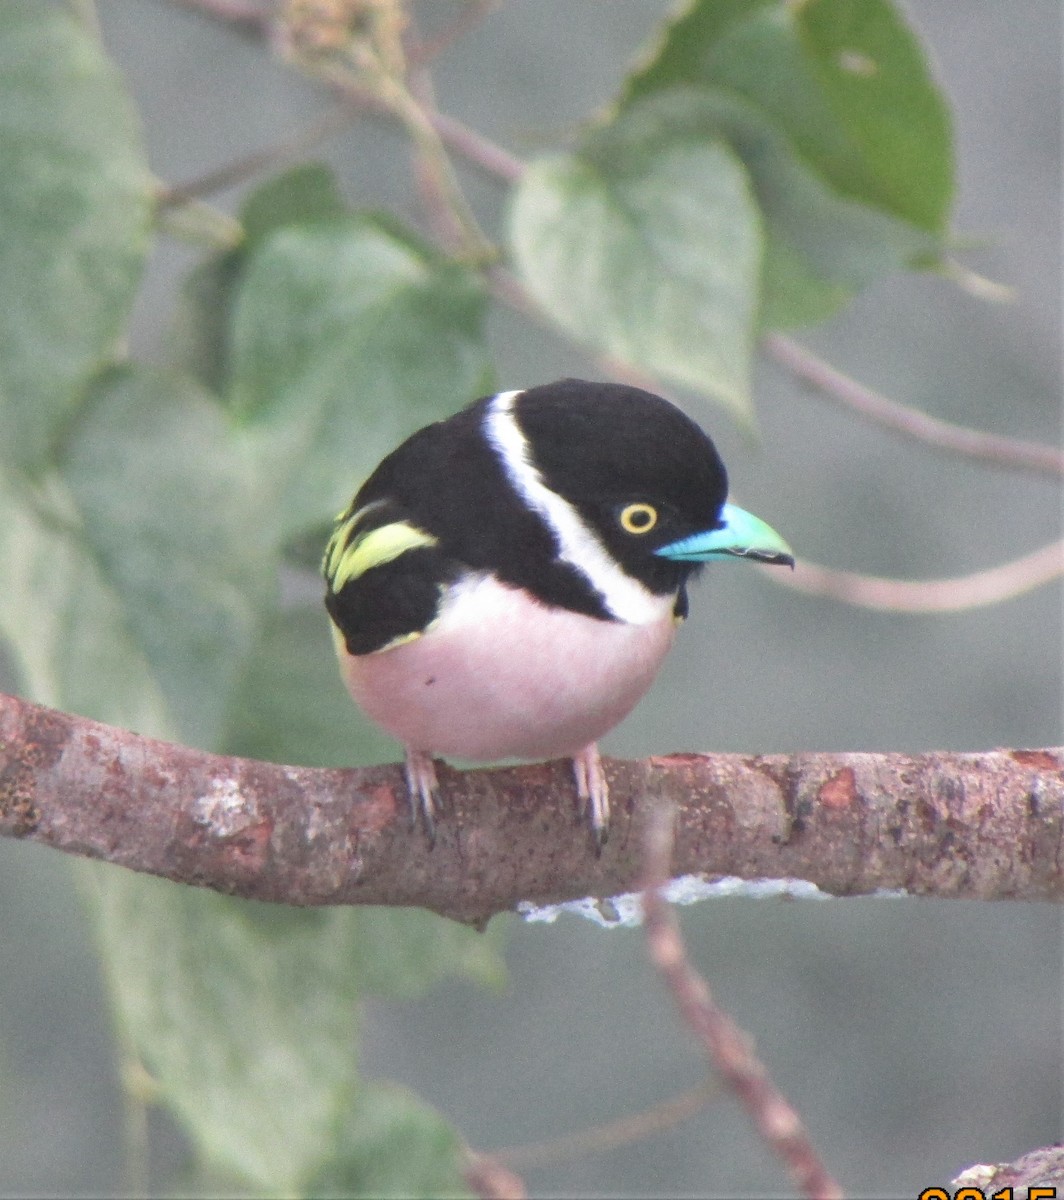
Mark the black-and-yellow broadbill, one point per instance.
(507, 582)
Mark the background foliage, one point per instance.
(763, 166)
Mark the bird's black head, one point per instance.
(640, 472)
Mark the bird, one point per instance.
(507, 582)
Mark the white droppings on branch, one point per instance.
(626, 910)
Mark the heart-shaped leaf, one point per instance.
(648, 252)
(74, 208)
(347, 337)
(136, 572)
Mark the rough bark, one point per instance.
(968, 826)
(1038, 1175)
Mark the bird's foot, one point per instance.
(593, 793)
(423, 789)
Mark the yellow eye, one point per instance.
(638, 518)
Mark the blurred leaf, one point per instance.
(753, 51)
(135, 575)
(831, 107)
(393, 1145)
(874, 74)
(848, 84)
(291, 706)
(346, 339)
(821, 247)
(170, 510)
(686, 44)
(650, 252)
(64, 621)
(74, 215)
(246, 1015)
(304, 194)
(198, 340)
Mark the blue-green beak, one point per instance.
(740, 535)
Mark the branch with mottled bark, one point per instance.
(1040, 1169)
(967, 826)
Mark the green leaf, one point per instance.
(135, 575)
(831, 107)
(756, 55)
(246, 1015)
(874, 74)
(74, 217)
(346, 339)
(170, 509)
(821, 247)
(64, 622)
(393, 1145)
(649, 252)
(848, 84)
(300, 196)
(686, 49)
(199, 339)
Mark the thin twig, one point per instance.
(973, 443)
(472, 146)
(975, 284)
(610, 1134)
(729, 1049)
(964, 592)
(478, 150)
(428, 170)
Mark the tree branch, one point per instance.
(1037, 1168)
(965, 826)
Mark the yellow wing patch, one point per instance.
(345, 563)
(343, 533)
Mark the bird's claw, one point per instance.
(423, 791)
(593, 793)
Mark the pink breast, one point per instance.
(502, 676)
